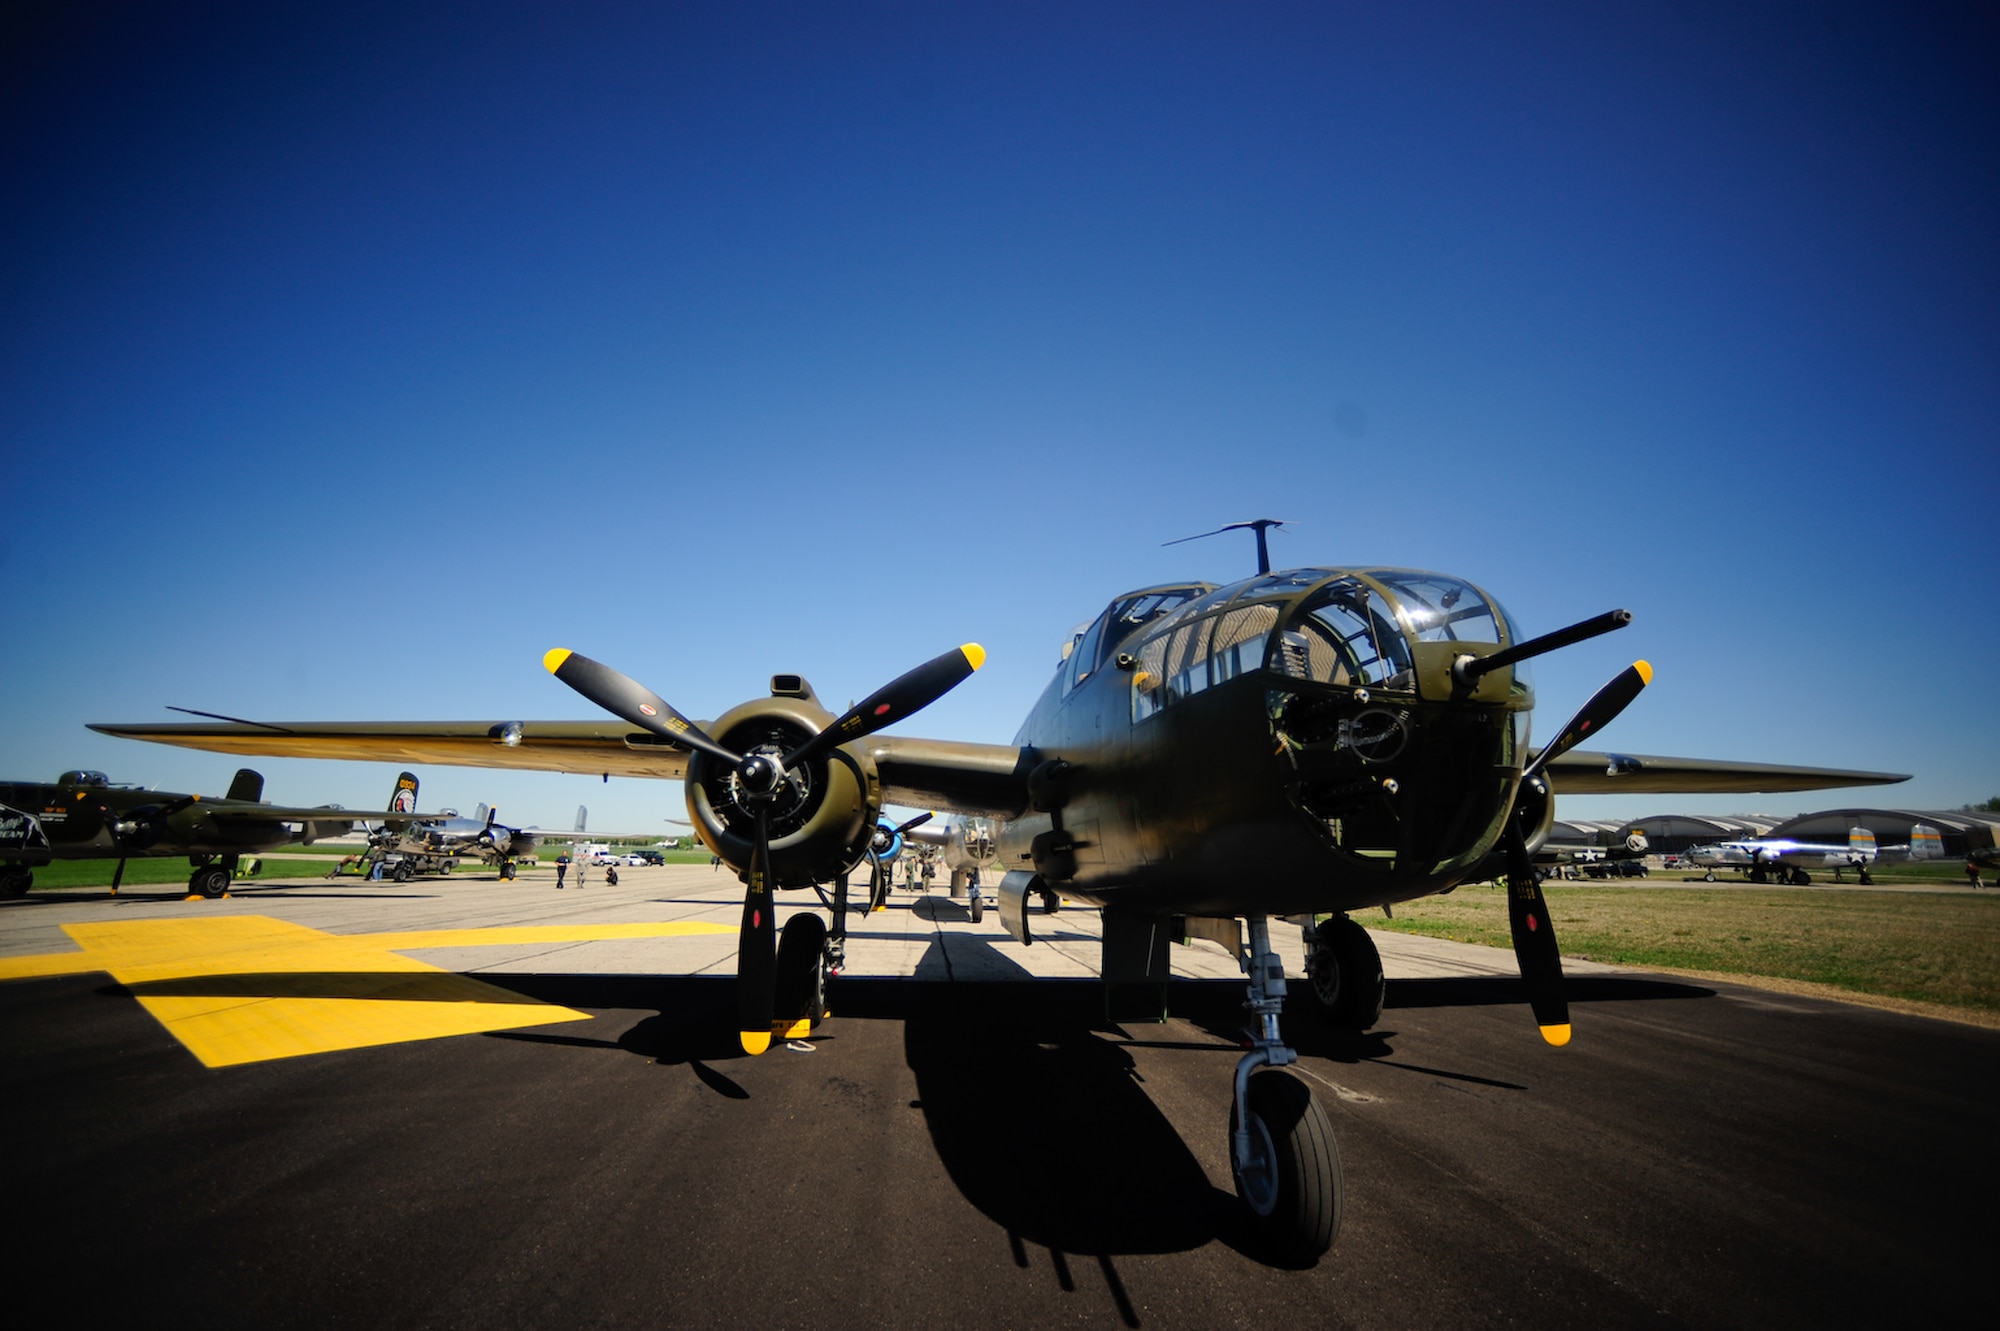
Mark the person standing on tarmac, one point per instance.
(562, 867)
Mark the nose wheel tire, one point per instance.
(211, 881)
(1291, 1187)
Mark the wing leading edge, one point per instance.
(1583, 773)
(589, 748)
(988, 779)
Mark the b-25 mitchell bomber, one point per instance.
(1294, 746)
(1764, 859)
(83, 816)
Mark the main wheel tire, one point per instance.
(211, 881)
(1800, 878)
(1345, 971)
(15, 882)
(402, 872)
(976, 908)
(1708, 877)
(1292, 1188)
(801, 978)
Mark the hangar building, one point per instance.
(1674, 833)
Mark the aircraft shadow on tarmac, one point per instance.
(1099, 1171)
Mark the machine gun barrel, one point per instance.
(1469, 668)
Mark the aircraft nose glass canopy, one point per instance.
(1347, 631)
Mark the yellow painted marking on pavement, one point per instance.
(541, 933)
(47, 964)
(553, 658)
(755, 1042)
(1556, 1035)
(245, 988)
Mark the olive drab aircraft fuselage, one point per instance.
(1206, 760)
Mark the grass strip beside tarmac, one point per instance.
(1927, 948)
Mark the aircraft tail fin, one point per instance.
(1926, 843)
(481, 811)
(1861, 840)
(582, 817)
(248, 785)
(404, 798)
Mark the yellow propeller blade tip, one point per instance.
(553, 658)
(1556, 1035)
(1645, 669)
(975, 654)
(755, 1042)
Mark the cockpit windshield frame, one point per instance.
(1357, 628)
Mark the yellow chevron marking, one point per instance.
(247, 988)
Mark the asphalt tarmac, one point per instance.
(962, 1143)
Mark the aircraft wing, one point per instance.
(941, 774)
(1581, 773)
(989, 779)
(325, 813)
(589, 748)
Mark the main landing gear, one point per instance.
(810, 955)
(1281, 1146)
(15, 880)
(211, 878)
(1346, 974)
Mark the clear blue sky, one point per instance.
(353, 355)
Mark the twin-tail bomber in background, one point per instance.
(1300, 745)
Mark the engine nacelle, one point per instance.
(1535, 805)
(824, 812)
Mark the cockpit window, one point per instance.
(1090, 647)
(1083, 657)
(1133, 612)
(1441, 609)
(1345, 633)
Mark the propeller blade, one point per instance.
(917, 821)
(1535, 940)
(1604, 705)
(757, 947)
(629, 700)
(903, 696)
(878, 883)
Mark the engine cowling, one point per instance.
(1535, 805)
(824, 813)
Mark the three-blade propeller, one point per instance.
(1527, 910)
(761, 777)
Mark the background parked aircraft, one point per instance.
(1765, 858)
(83, 816)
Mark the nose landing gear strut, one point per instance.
(1281, 1146)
